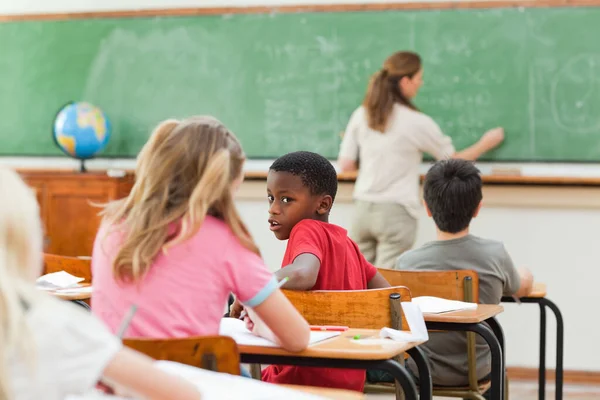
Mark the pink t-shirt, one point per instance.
(184, 292)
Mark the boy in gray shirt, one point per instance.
(452, 194)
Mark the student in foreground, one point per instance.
(453, 194)
(51, 349)
(176, 246)
(301, 188)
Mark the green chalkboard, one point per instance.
(284, 82)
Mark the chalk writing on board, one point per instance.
(575, 95)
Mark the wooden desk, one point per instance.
(77, 298)
(341, 347)
(337, 394)
(538, 296)
(72, 296)
(65, 197)
(482, 313)
(539, 290)
(342, 352)
(473, 321)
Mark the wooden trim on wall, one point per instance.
(487, 179)
(494, 179)
(186, 12)
(495, 196)
(570, 376)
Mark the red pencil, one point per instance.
(332, 328)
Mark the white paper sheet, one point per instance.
(437, 305)
(416, 324)
(218, 386)
(58, 280)
(236, 329)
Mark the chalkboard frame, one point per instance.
(168, 12)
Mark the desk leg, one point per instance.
(82, 304)
(394, 368)
(402, 376)
(497, 329)
(425, 382)
(560, 343)
(542, 364)
(492, 341)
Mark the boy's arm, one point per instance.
(526, 285)
(513, 277)
(378, 282)
(302, 272)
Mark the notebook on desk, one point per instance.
(438, 305)
(236, 329)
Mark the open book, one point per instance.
(236, 329)
(437, 305)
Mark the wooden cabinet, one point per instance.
(67, 208)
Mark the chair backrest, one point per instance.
(462, 285)
(215, 353)
(362, 309)
(76, 266)
(452, 285)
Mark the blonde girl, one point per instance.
(176, 246)
(388, 135)
(50, 349)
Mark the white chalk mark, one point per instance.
(532, 133)
(574, 120)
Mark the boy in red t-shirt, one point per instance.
(301, 188)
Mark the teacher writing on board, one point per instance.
(389, 135)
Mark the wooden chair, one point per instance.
(77, 266)
(362, 309)
(215, 353)
(453, 285)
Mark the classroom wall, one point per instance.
(560, 244)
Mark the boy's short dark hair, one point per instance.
(316, 172)
(452, 192)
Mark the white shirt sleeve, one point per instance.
(73, 346)
(431, 140)
(349, 146)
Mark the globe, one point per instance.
(81, 130)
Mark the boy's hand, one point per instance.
(526, 286)
(236, 309)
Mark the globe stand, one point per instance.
(82, 167)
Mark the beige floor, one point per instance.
(528, 391)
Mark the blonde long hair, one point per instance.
(20, 263)
(184, 172)
(383, 90)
